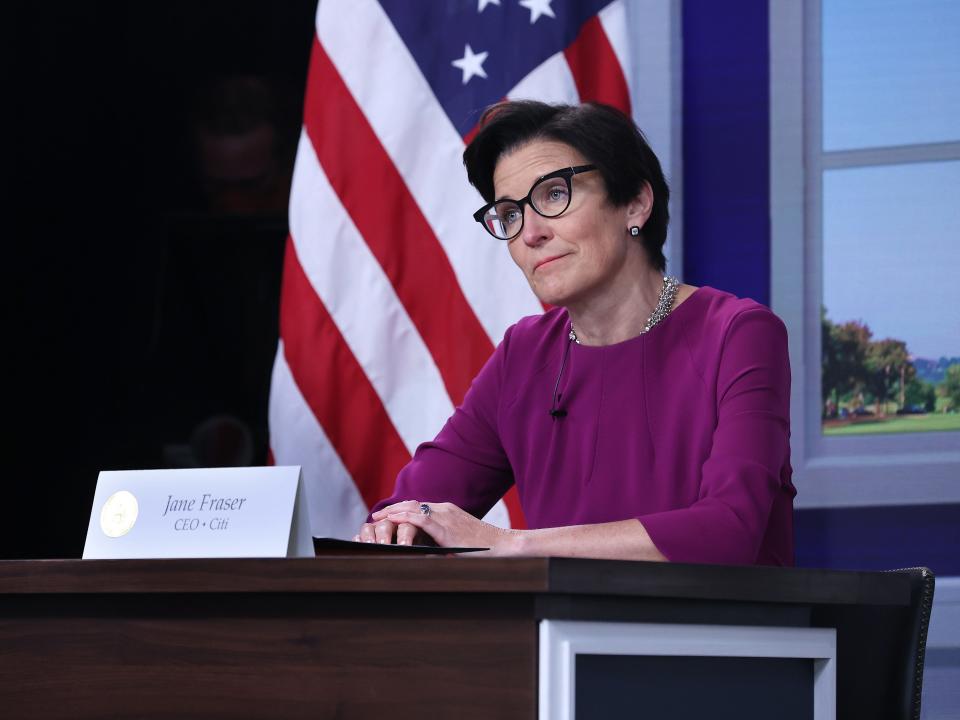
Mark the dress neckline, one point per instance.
(679, 309)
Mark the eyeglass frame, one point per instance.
(565, 173)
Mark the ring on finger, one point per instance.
(425, 509)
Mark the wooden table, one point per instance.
(355, 637)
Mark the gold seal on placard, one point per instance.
(119, 513)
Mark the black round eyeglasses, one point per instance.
(549, 197)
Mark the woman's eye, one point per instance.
(510, 217)
(555, 194)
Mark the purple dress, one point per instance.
(685, 428)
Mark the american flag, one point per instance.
(393, 297)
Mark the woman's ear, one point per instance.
(640, 207)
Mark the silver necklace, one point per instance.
(668, 294)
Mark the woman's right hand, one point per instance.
(386, 532)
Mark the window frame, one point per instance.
(845, 471)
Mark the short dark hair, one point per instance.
(603, 135)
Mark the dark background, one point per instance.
(152, 147)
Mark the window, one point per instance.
(865, 155)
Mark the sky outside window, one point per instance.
(891, 252)
(891, 72)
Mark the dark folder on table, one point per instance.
(333, 546)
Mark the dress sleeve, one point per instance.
(466, 463)
(743, 473)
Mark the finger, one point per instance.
(384, 531)
(425, 522)
(407, 516)
(405, 505)
(406, 534)
(367, 533)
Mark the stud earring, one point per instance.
(635, 231)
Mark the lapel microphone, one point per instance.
(555, 410)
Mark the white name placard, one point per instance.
(203, 512)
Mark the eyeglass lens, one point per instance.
(549, 197)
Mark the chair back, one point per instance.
(912, 641)
(889, 643)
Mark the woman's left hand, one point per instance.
(449, 526)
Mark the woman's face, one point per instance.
(581, 254)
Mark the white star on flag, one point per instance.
(481, 4)
(538, 8)
(471, 64)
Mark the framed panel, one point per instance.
(562, 641)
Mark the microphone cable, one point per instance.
(555, 410)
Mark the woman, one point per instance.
(639, 418)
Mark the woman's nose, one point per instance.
(536, 228)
